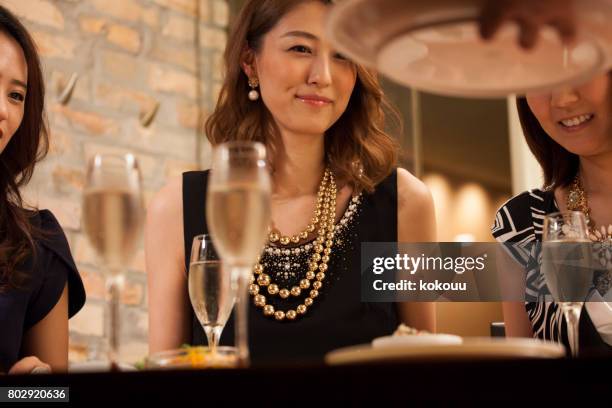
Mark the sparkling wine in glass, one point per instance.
(211, 289)
(238, 215)
(567, 266)
(113, 219)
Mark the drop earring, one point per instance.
(253, 93)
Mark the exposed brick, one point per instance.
(128, 10)
(38, 11)
(124, 37)
(120, 98)
(133, 293)
(89, 122)
(172, 81)
(53, 45)
(217, 66)
(184, 6)
(68, 179)
(60, 143)
(116, 65)
(184, 57)
(180, 28)
(214, 38)
(220, 12)
(89, 321)
(189, 115)
(94, 25)
(67, 212)
(94, 283)
(83, 252)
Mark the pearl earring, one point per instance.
(253, 94)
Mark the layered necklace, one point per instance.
(323, 223)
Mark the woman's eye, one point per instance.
(340, 57)
(300, 49)
(17, 96)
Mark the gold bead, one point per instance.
(320, 240)
(268, 310)
(291, 314)
(308, 301)
(317, 285)
(260, 300)
(295, 239)
(279, 315)
(316, 257)
(330, 235)
(253, 289)
(313, 266)
(284, 240)
(315, 220)
(252, 280)
(317, 213)
(321, 193)
(263, 280)
(310, 228)
(301, 309)
(318, 248)
(326, 207)
(314, 293)
(295, 291)
(327, 251)
(274, 236)
(304, 284)
(273, 289)
(258, 269)
(303, 235)
(320, 276)
(310, 275)
(323, 267)
(325, 258)
(284, 293)
(329, 243)
(321, 236)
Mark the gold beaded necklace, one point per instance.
(577, 201)
(326, 210)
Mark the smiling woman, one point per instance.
(39, 284)
(569, 131)
(321, 118)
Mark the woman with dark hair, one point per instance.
(569, 131)
(39, 283)
(321, 118)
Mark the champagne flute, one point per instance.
(238, 215)
(112, 219)
(566, 266)
(210, 289)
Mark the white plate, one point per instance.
(433, 45)
(421, 340)
(472, 348)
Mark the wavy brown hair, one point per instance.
(28, 145)
(357, 147)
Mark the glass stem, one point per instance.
(571, 313)
(213, 335)
(114, 284)
(242, 275)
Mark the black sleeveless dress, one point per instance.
(338, 317)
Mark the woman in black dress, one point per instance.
(570, 133)
(286, 86)
(39, 284)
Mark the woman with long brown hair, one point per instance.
(39, 284)
(320, 117)
(569, 131)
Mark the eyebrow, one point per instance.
(20, 83)
(302, 34)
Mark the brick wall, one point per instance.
(130, 56)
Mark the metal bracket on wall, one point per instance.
(65, 94)
(146, 117)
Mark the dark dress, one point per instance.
(47, 273)
(521, 220)
(338, 317)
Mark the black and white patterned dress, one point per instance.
(520, 220)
